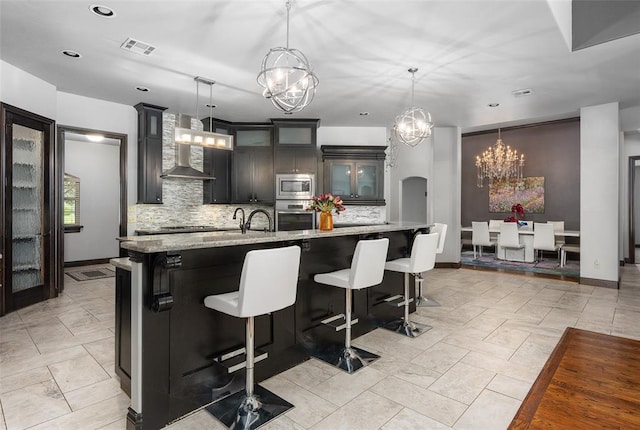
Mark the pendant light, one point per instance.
(287, 78)
(204, 138)
(413, 125)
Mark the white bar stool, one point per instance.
(367, 270)
(423, 258)
(268, 283)
(422, 301)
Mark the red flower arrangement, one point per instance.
(326, 203)
(517, 211)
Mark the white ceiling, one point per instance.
(469, 54)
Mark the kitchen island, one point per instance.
(177, 344)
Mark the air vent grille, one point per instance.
(138, 47)
(523, 92)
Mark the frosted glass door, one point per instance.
(27, 203)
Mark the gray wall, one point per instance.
(551, 150)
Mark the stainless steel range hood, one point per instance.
(183, 169)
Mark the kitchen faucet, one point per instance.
(247, 226)
(243, 227)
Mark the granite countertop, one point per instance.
(182, 241)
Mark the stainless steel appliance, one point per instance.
(293, 215)
(294, 186)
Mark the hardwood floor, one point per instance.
(591, 381)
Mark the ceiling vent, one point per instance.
(522, 93)
(138, 47)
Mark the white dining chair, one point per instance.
(558, 226)
(568, 248)
(544, 240)
(494, 224)
(509, 238)
(480, 236)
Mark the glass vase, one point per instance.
(326, 221)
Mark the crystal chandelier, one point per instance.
(499, 163)
(413, 125)
(287, 78)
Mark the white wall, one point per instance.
(85, 112)
(412, 161)
(25, 91)
(446, 188)
(98, 167)
(599, 192)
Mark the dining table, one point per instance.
(525, 234)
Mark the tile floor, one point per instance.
(490, 338)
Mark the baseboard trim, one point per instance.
(86, 262)
(600, 283)
(448, 265)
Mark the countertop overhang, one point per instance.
(183, 241)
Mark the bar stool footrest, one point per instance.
(236, 360)
(338, 322)
(398, 301)
(237, 411)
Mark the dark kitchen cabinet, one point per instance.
(253, 179)
(295, 132)
(355, 173)
(296, 160)
(149, 153)
(217, 163)
(123, 328)
(295, 145)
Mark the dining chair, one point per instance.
(480, 236)
(509, 238)
(558, 226)
(544, 240)
(494, 224)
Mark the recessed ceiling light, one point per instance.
(72, 54)
(209, 105)
(493, 104)
(95, 137)
(102, 11)
(143, 89)
(364, 113)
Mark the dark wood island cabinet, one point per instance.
(175, 339)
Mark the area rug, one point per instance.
(91, 274)
(590, 381)
(548, 266)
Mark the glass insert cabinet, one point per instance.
(355, 173)
(28, 219)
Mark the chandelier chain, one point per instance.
(288, 9)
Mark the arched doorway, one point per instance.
(414, 199)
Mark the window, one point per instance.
(71, 204)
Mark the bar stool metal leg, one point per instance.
(404, 325)
(254, 406)
(348, 358)
(422, 301)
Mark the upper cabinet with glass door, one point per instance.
(355, 173)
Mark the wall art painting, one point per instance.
(529, 193)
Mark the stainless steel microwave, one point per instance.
(294, 186)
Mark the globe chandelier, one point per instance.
(413, 125)
(499, 163)
(287, 78)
